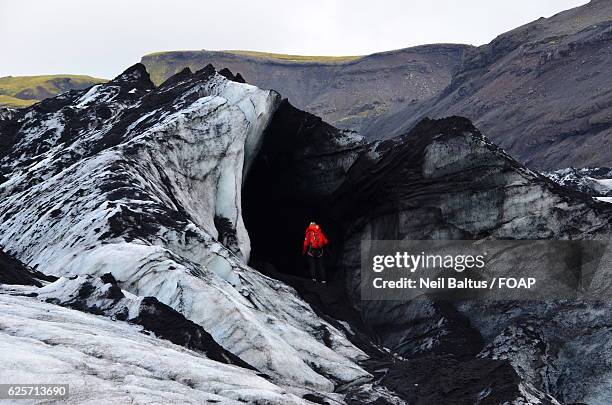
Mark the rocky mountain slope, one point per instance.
(173, 217)
(443, 180)
(346, 91)
(541, 91)
(23, 91)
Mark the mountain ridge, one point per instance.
(539, 91)
(345, 93)
(23, 91)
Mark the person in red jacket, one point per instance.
(314, 242)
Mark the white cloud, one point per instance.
(101, 38)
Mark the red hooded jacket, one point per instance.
(314, 238)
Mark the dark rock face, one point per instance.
(540, 91)
(12, 271)
(443, 180)
(446, 173)
(444, 380)
(169, 324)
(225, 72)
(347, 93)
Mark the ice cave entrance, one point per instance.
(279, 199)
(276, 223)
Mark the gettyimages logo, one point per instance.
(492, 270)
(412, 262)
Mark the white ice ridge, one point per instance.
(98, 358)
(144, 210)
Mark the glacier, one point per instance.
(145, 183)
(143, 224)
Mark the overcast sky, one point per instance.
(102, 37)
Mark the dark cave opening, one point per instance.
(276, 226)
(281, 197)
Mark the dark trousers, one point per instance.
(317, 267)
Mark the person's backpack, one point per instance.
(316, 239)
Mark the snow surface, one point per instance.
(101, 358)
(594, 181)
(607, 183)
